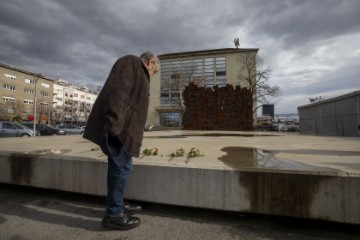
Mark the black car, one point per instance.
(45, 130)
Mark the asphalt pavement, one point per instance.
(31, 213)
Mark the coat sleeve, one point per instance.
(120, 84)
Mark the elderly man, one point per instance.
(116, 124)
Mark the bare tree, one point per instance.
(18, 107)
(255, 75)
(57, 114)
(84, 110)
(43, 109)
(11, 110)
(179, 78)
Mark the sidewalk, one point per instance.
(226, 150)
(27, 213)
(265, 173)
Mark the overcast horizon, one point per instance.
(312, 47)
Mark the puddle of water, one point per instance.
(48, 152)
(241, 157)
(170, 136)
(214, 135)
(322, 152)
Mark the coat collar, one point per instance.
(145, 70)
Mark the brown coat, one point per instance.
(122, 105)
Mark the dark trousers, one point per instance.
(119, 169)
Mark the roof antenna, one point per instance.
(237, 42)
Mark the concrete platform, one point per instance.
(279, 174)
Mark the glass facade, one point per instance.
(176, 74)
(164, 86)
(170, 119)
(220, 65)
(209, 72)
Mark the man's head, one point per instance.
(151, 62)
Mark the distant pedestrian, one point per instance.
(116, 123)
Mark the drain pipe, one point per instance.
(358, 113)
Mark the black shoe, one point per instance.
(123, 222)
(131, 209)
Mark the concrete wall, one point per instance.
(333, 197)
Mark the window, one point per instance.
(176, 74)
(76, 95)
(186, 67)
(220, 65)
(165, 87)
(45, 85)
(44, 94)
(198, 69)
(68, 94)
(44, 103)
(209, 72)
(27, 112)
(8, 99)
(82, 96)
(30, 81)
(7, 125)
(29, 91)
(9, 87)
(28, 101)
(170, 119)
(9, 76)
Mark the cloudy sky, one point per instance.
(312, 46)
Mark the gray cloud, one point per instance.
(80, 40)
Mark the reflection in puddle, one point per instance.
(48, 152)
(242, 157)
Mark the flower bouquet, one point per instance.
(150, 151)
(178, 153)
(194, 152)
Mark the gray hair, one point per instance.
(147, 56)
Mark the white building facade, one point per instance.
(71, 103)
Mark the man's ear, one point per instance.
(149, 63)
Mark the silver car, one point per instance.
(71, 129)
(14, 129)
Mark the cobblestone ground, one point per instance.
(29, 213)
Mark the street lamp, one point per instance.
(36, 77)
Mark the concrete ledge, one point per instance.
(332, 197)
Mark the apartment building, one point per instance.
(207, 68)
(57, 101)
(18, 90)
(72, 103)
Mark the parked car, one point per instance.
(45, 130)
(71, 129)
(293, 129)
(14, 129)
(273, 128)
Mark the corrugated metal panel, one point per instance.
(334, 117)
